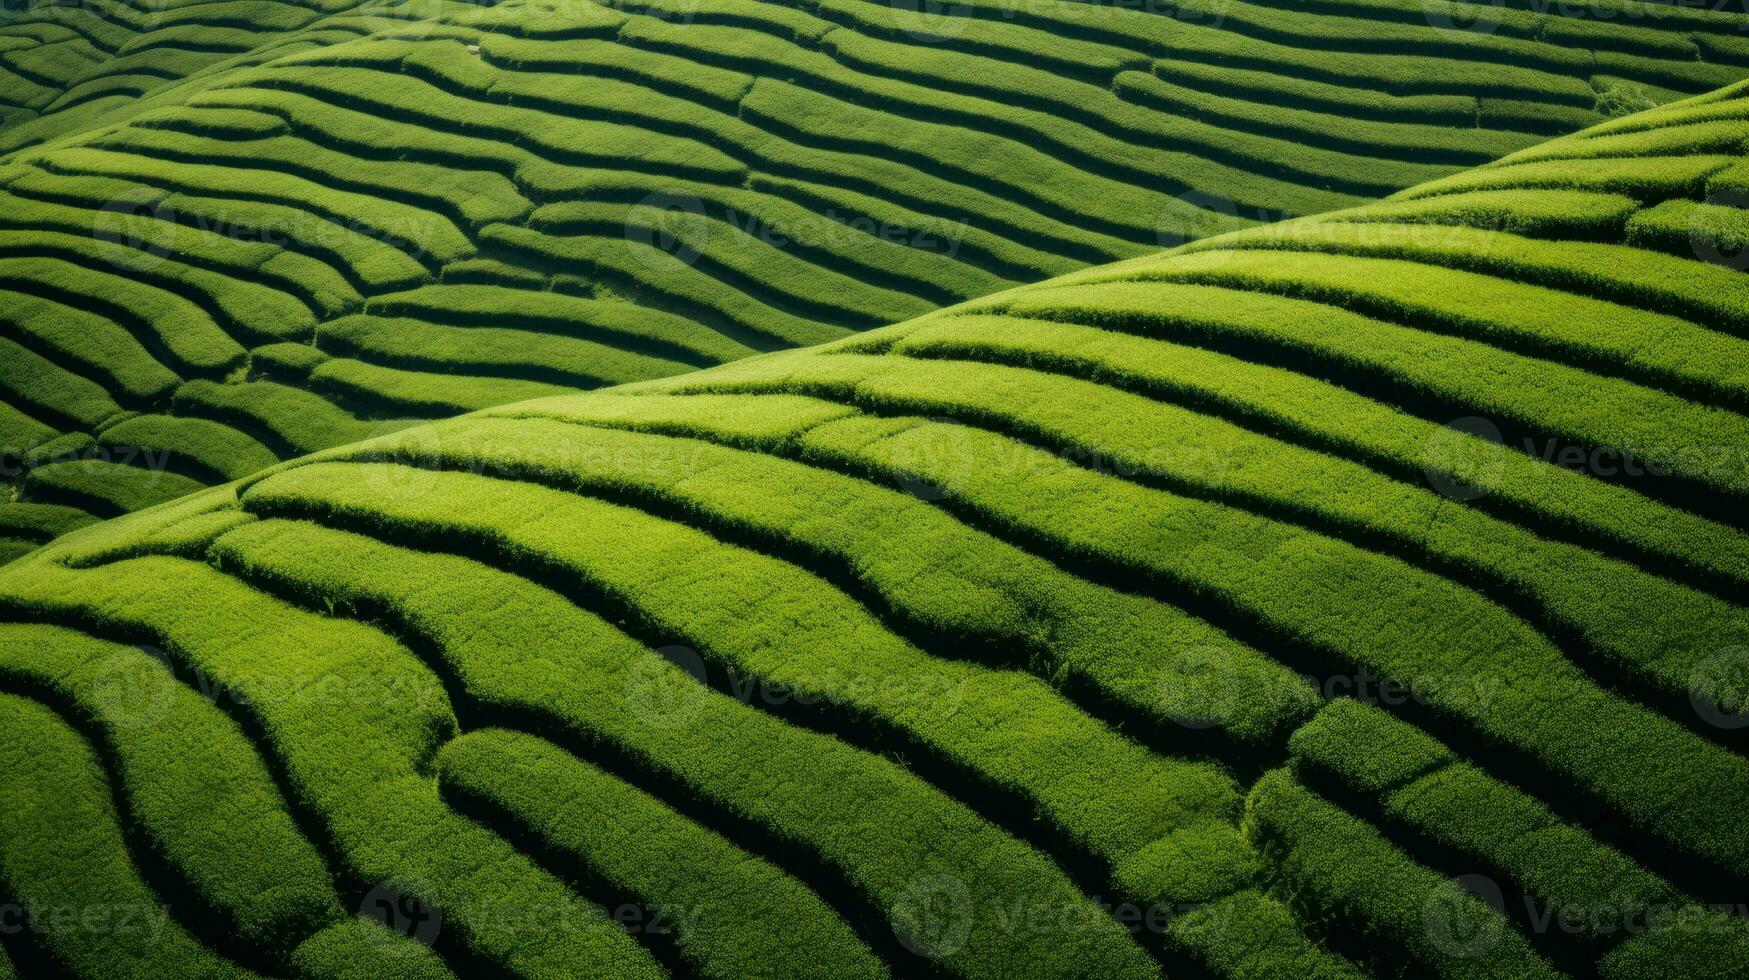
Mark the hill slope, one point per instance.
(249, 230)
(1394, 557)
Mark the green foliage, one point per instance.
(962, 589)
(418, 345)
(215, 447)
(1365, 747)
(65, 860)
(301, 419)
(1252, 935)
(41, 520)
(360, 766)
(179, 761)
(104, 487)
(1333, 863)
(557, 313)
(802, 635)
(845, 168)
(12, 549)
(361, 949)
(19, 433)
(289, 361)
(1555, 324)
(516, 646)
(1693, 945)
(1363, 607)
(65, 333)
(403, 392)
(729, 914)
(190, 340)
(1591, 887)
(40, 384)
(953, 647)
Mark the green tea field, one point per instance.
(829, 488)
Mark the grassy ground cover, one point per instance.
(1443, 377)
(406, 393)
(105, 487)
(42, 201)
(178, 760)
(75, 336)
(378, 810)
(733, 915)
(952, 456)
(944, 583)
(533, 310)
(416, 344)
(1615, 340)
(1334, 862)
(244, 168)
(40, 386)
(278, 415)
(41, 521)
(791, 783)
(66, 854)
(174, 328)
(218, 449)
(815, 661)
(1321, 415)
(1566, 580)
(1196, 613)
(242, 308)
(1423, 785)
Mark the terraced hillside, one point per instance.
(235, 232)
(1353, 596)
(67, 66)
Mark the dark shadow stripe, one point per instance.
(1259, 422)
(833, 886)
(311, 823)
(169, 886)
(1388, 385)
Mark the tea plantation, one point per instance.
(719, 489)
(232, 233)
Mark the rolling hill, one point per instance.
(1352, 595)
(232, 233)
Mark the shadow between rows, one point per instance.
(351, 889)
(208, 924)
(1004, 808)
